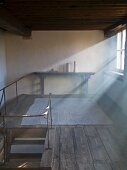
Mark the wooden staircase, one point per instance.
(26, 148)
(27, 143)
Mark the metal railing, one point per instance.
(46, 113)
(3, 90)
(2, 115)
(48, 110)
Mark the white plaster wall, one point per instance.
(2, 60)
(63, 85)
(48, 49)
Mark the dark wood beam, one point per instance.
(39, 27)
(113, 29)
(9, 23)
(68, 14)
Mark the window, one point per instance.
(121, 39)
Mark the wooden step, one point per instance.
(28, 141)
(26, 168)
(25, 156)
(29, 132)
(12, 168)
(16, 164)
(26, 151)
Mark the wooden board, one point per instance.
(46, 160)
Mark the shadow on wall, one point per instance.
(87, 60)
(47, 49)
(113, 102)
(92, 59)
(89, 57)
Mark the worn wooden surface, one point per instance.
(66, 111)
(68, 14)
(87, 148)
(79, 147)
(82, 147)
(46, 160)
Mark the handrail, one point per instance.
(16, 90)
(4, 134)
(9, 84)
(20, 116)
(46, 73)
(50, 107)
(48, 112)
(1, 98)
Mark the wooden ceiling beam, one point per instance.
(65, 17)
(48, 2)
(68, 14)
(32, 11)
(69, 21)
(113, 29)
(9, 23)
(50, 7)
(39, 27)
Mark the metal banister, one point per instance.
(11, 83)
(1, 98)
(16, 90)
(6, 128)
(49, 109)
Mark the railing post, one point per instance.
(50, 107)
(5, 108)
(16, 85)
(4, 134)
(48, 128)
(1, 98)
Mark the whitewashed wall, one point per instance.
(2, 60)
(48, 49)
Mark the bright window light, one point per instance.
(121, 39)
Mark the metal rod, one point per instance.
(16, 89)
(37, 126)
(4, 133)
(14, 116)
(50, 107)
(48, 128)
(5, 108)
(1, 98)
(16, 81)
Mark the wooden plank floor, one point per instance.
(65, 110)
(87, 148)
(81, 147)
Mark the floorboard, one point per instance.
(66, 111)
(81, 148)
(96, 146)
(110, 144)
(84, 137)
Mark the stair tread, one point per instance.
(27, 149)
(30, 164)
(16, 139)
(28, 142)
